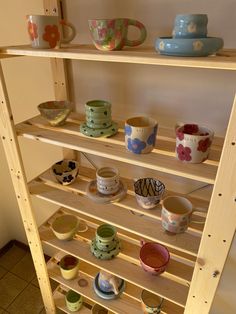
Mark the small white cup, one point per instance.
(107, 180)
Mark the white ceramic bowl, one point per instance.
(65, 226)
(65, 171)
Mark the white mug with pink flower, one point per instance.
(193, 143)
(45, 31)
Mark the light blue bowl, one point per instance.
(188, 47)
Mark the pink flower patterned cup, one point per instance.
(177, 213)
(111, 34)
(193, 143)
(154, 257)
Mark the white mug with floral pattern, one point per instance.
(45, 31)
(193, 143)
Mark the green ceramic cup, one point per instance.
(98, 114)
(74, 301)
(105, 237)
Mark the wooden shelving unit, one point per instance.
(190, 281)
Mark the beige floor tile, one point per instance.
(28, 302)
(25, 268)
(10, 287)
(3, 271)
(12, 257)
(35, 282)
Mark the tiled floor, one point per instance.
(19, 289)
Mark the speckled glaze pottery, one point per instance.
(176, 214)
(93, 193)
(98, 114)
(65, 226)
(108, 180)
(188, 47)
(111, 34)
(69, 266)
(140, 134)
(74, 301)
(98, 119)
(148, 192)
(106, 132)
(154, 257)
(190, 26)
(105, 255)
(45, 33)
(56, 112)
(105, 237)
(151, 303)
(108, 282)
(65, 171)
(193, 143)
(107, 295)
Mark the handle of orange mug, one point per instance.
(201, 210)
(143, 34)
(70, 37)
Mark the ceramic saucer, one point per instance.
(107, 295)
(105, 255)
(93, 193)
(105, 132)
(189, 47)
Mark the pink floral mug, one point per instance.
(193, 143)
(111, 34)
(176, 214)
(45, 33)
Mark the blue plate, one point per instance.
(107, 295)
(188, 47)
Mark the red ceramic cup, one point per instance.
(154, 257)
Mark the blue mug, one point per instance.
(190, 26)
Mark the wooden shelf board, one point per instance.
(226, 60)
(129, 202)
(133, 291)
(124, 303)
(130, 251)
(171, 291)
(140, 225)
(108, 149)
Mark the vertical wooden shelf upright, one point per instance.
(218, 231)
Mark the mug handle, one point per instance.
(201, 210)
(69, 38)
(143, 35)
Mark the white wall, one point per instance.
(169, 94)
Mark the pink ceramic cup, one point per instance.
(193, 143)
(154, 257)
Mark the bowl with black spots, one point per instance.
(65, 171)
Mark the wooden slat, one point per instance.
(130, 252)
(219, 229)
(123, 304)
(129, 202)
(142, 226)
(18, 176)
(142, 55)
(168, 164)
(168, 289)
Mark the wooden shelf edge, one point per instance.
(155, 161)
(225, 60)
(139, 225)
(176, 270)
